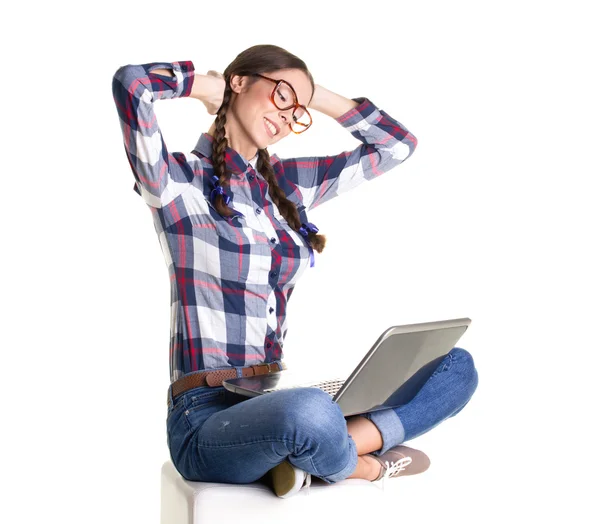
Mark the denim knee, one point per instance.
(311, 412)
(460, 354)
(464, 360)
(463, 365)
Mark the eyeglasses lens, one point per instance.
(284, 99)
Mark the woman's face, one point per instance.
(251, 107)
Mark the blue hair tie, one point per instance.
(305, 227)
(218, 190)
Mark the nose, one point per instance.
(286, 115)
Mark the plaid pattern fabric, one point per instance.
(231, 278)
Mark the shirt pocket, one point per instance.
(244, 253)
(224, 227)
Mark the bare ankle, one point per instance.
(366, 468)
(375, 467)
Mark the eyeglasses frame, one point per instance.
(294, 105)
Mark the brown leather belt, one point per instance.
(216, 377)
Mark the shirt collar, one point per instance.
(234, 162)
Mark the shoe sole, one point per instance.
(283, 479)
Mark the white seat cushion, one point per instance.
(184, 502)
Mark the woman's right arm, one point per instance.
(160, 176)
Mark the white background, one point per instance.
(494, 217)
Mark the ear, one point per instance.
(238, 83)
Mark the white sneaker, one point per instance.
(287, 480)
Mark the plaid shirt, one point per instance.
(231, 278)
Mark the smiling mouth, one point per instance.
(271, 128)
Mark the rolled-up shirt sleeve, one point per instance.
(160, 176)
(386, 143)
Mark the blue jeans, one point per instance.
(214, 436)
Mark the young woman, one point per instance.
(232, 223)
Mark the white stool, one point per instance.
(184, 502)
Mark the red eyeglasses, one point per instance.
(284, 97)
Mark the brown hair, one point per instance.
(258, 59)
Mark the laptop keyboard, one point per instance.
(329, 386)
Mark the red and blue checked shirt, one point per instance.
(231, 278)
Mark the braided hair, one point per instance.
(258, 59)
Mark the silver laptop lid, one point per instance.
(398, 364)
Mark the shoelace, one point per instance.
(392, 468)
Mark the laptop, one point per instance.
(389, 375)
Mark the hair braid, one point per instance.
(219, 147)
(285, 206)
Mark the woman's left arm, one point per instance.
(386, 143)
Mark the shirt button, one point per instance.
(269, 344)
(271, 310)
(258, 210)
(273, 240)
(250, 177)
(273, 274)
